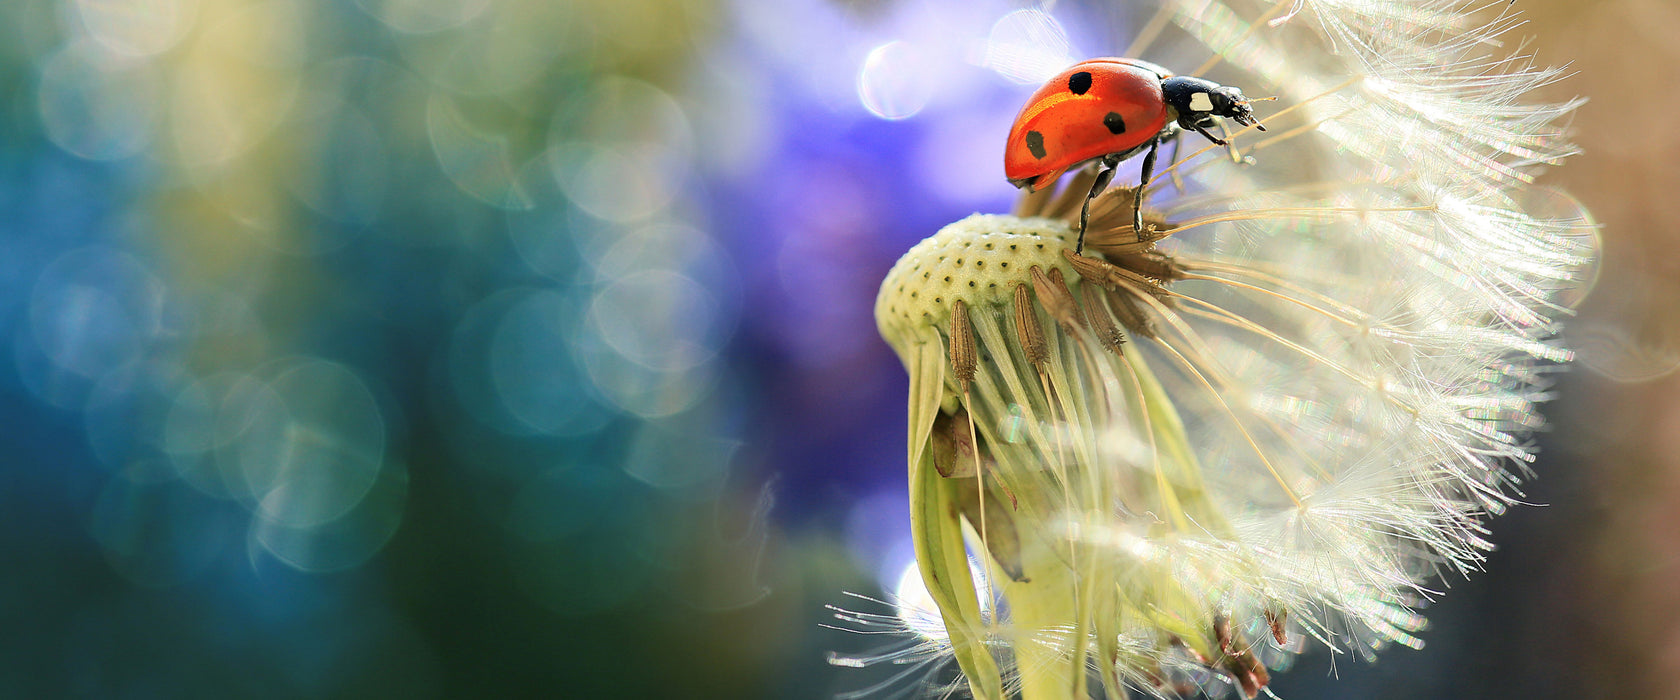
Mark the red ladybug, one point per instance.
(1107, 110)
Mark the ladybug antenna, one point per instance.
(1250, 120)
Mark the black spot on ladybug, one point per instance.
(1035, 143)
(1080, 82)
(1115, 124)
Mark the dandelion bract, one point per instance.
(1272, 417)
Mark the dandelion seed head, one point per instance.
(1274, 417)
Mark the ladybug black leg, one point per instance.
(1103, 176)
(1137, 197)
(1203, 131)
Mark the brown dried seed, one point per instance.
(1251, 675)
(1237, 659)
(1131, 316)
(952, 444)
(1110, 275)
(1002, 540)
(1053, 294)
(1110, 205)
(1114, 237)
(964, 359)
(1275, 620)
(1115, 223)
(1102, 322)
(1222, 634)
(942, 443)
(1115, 243)
(1027, 329)
(1156, 265)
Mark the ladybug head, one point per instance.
(1196, 99)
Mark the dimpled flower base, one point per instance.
(978, 260)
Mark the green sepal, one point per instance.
(936, 529)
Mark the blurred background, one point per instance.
(507, 348)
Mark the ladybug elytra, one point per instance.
(1106, 110)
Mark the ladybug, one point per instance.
(1106, 110)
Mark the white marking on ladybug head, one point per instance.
(1200, 102)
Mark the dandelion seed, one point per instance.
(1267, 420)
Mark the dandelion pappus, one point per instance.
(1105, 111)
